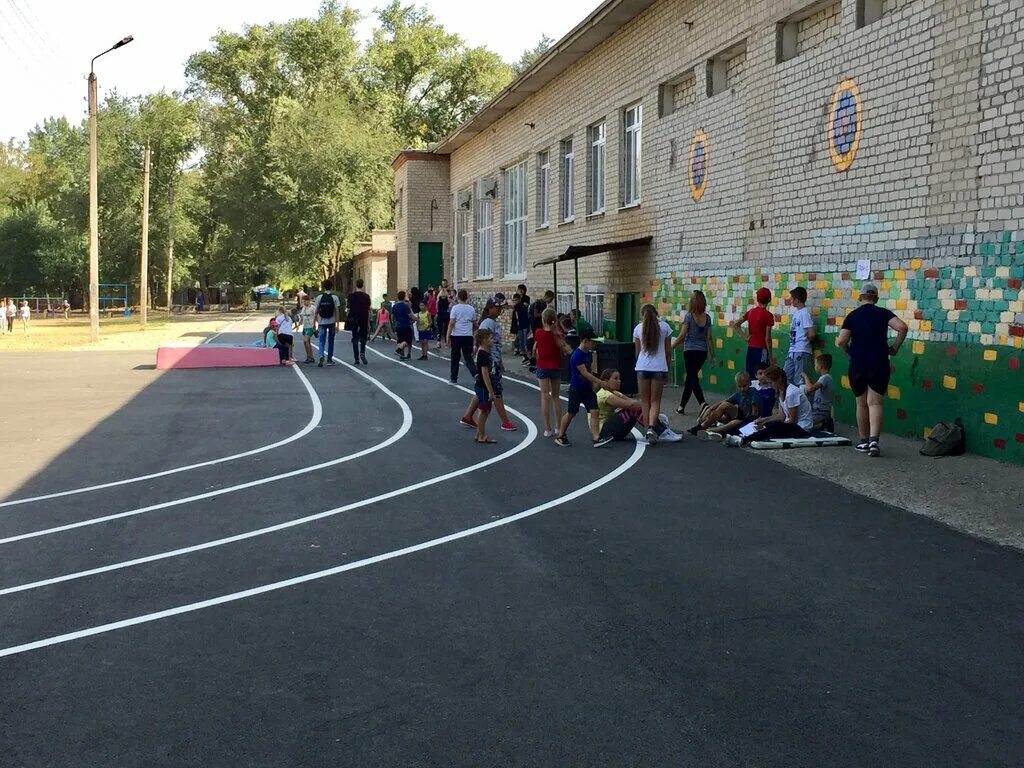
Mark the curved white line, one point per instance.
(228, 327)
(407, 423)
(638, 452)
(402, 431)
(314, 421)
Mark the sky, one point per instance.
(46, 45)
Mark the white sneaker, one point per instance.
(663, 419)
(548, 433)
(652, 437)
(733, 441)
(668, 436)
(711, 435)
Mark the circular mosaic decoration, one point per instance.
(844, 124)
(698, 174)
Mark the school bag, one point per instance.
(945, 440)
(326, 306)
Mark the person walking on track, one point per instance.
(328, 312)
(865, 338)
(358, 321)
(461, 327)
(698, 344)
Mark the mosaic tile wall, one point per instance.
(962, 358)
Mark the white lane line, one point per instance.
(531, 436)
(402, 431)
(638, 452)
(228, 327)
(314, 421)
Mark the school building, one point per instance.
(664, 146)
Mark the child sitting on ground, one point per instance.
(273, 341)
(581, 390)
(618, 414)
(793, 416)
(741, 407)
(820, 393)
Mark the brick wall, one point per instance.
(423, 211)
(923, 180)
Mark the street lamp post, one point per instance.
(94, 227)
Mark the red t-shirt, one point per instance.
(759, 320)
(549, 356)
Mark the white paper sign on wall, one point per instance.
(863, 269)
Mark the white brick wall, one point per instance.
(940, 157)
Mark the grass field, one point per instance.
(116, 332)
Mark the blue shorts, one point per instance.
(483, 398)
(308, 333)
(756, 358)
(549, 373)
(426, 335)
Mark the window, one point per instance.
(870, 11)
(726, 69)
(595, 171)
(593, 310)
(543, 188)
(462, 244)
(484, 232)
(568, 180)
(632, 124)
(677, 94)
(806, 29)
(565, 303)
(515, 221)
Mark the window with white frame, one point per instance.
(632, 128)
(568, 180)
(515, 221)
(462, 239)
(565, 303)
(543, 188)
(484, 234)
(593, 310)
(595, 171)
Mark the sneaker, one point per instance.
(468, 423)
(422, 357)
(331, 363)
(652, 437)
(310, 361)
(663, 420)
(362, 359)
(602, 441)
(356, 361)
(680, 410)
(863, 446)
(454, 383)
(693, 430)
(668, 436)
(873, 450)
(548, 433)
(508, 426)
(320, 364)
(712, 435)
(734, 441)
(400, 355)
(562, 440)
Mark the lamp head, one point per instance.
(122, 41)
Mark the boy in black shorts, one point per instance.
(484, 384)
(581, 390)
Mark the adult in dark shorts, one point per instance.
(358, 321)
(865, 338)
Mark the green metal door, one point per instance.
(627, 315)
(431, 265)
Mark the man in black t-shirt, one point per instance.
(865, 338)
(358, 321)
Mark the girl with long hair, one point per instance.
(652, 340)
(549, 349)
(698, 344)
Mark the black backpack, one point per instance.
(326, 306)
(945, 440)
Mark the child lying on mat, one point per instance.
(726, 417)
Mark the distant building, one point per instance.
(374, 263)
(686, 144)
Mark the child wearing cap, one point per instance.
(581, 390)
(759, 339)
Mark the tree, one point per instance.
(530, 56)
(425, 78)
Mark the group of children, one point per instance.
(9, 312)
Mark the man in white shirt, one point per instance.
(461, 328)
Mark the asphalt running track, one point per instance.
(426, 601)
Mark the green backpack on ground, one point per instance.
(945, 440)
